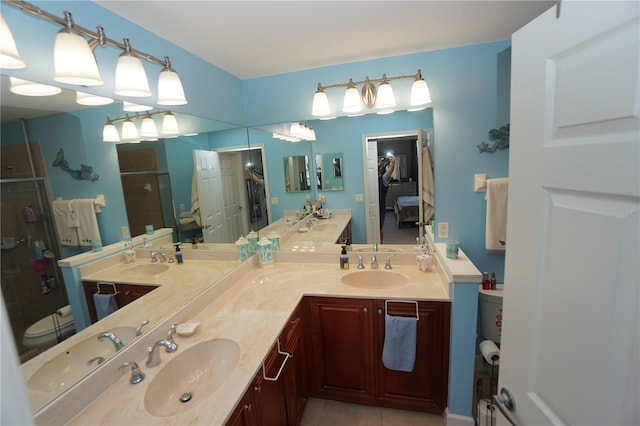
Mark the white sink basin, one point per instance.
(191, 376)
(69, 366)
(374, 279)
(146, 269)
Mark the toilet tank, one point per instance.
(490, 308)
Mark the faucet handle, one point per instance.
(139, 329)
(172, 330)
(360, 262)
(136, 374)
(387, 265)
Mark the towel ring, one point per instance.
(115, 290)
(415, 302)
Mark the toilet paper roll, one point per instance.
(490, 352)
(64, 311)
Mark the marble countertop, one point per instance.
(250, 306)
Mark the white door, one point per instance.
(209, 186)
(231, 173)
(571, 333)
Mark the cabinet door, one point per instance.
(295, 371)
(425, 388)
(244, 413)
(269, 395)
(341, 347)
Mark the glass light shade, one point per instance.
(420, 95)
(110, 133)
(131, 107)
(170, 91)
(386, 98)
(129, 131)
(170, 125)
(84, 98)
(148, 128)
(352, 102)
(30, 88)
(131, 79)
(296, 130)
(320, 104)
(73, 60)
(9, 56)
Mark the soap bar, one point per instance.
(187, 328)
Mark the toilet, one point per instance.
(42, 334)
(490, 307)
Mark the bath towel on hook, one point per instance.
(496, 223)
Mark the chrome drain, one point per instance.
(185, 397)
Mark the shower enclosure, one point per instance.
(32, 286)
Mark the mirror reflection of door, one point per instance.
(404, 202)
(209, 199)
(146, 186)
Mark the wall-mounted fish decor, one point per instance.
(501, 138)
(85, 172)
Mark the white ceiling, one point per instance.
(258, 38)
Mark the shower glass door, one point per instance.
(31, 283)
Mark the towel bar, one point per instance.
(286, 358)
(386, 302)
(115, 289)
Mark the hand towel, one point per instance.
(88, 223)
(105, 304)
(61, 211)
(399, 351)
(496, 224)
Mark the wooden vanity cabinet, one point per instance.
(345, 354)
(340, 361)
(281, 401)
(426, 387)
(125, 294)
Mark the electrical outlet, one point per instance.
(359, 198)
(125, 232)
(443, 229)
(274, 201)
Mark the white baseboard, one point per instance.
(458, 420)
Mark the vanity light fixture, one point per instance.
(9, 56)
(132, 107)
(84, 98)
(131, 78)
(75, 63)
(297, 131)
(31, 88)
(73, 60)
(383, 98)
(148, 127)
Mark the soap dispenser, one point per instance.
(179, 253)
(344, 259)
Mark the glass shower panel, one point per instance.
(31, 284)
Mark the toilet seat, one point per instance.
(43, 333)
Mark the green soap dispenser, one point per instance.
(344, 259)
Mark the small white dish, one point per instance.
(187, 329)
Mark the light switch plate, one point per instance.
(359, 198)
(274, 201)
(443, 229)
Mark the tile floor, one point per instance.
(319, 412)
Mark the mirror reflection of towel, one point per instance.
(399, 351)
(105, 304)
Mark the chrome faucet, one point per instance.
(154, 259)
(375, 247)
(114, 339)
(170, 334)
(136, 374)
(374, 262)
(139, 329)
(154, 351)
(360, 263)
(387, 265)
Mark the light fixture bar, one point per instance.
(97, 37)
(379, 80)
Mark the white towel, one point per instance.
(496, 230)
(88, 229)
(61, 215)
